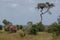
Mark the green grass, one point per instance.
(16, 36)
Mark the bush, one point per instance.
(53, 27)
(40, 27)
(21, 27)
(21, 33)
(33, 30)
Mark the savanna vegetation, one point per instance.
(31, 31)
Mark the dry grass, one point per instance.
(16, 36)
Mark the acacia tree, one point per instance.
(44, 6)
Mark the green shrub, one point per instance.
(40, 27)
(33, 30)
(54, 28)
(21, 33)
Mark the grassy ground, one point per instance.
(15, 36)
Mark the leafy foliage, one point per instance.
(40, 27)
(54, 28)
(33, 29)
(45, 5)
(36, 28)
(21, 27)
(6, 22)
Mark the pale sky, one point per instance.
(22, 11)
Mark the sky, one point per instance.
(22, 11)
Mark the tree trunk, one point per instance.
(41, 17)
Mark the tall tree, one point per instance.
(44, 6)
